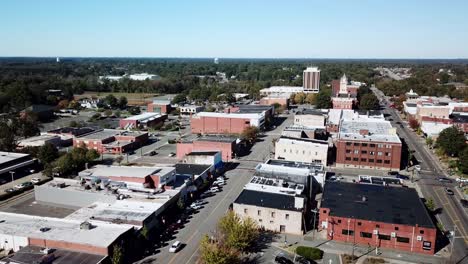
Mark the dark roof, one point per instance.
(73, 130)
(253, 108)
(196, 153)
(39, 108)
(369, 112)
(307, 111)
(189, 169)
(32, 254)
(217, 138)
(460, 118)
(394, 205)
(266, 199)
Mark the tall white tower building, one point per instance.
(311, 80)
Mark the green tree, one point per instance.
(214, 253)
(122, 104)
(299, 98)
(134, 110)
(8, 141)
(413, 123)
(429, 141)
(311, 98)
(108, 112)
(117, 255)
(369, 102)
(179, 98)
(238, 233)
(323, 100)
(111, 101)
(250, 134)
(430, 204)
(452, 141)
(463, 161)
(119, 159)
(92, 154)
(47, 153)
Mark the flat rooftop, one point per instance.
(101, 235)
(33, 254)
(39, 138)
(295, 164)
(191, 169)
(272, 185)
(307, 111)
(385, 204)
(75, 131)
(379, 130)
(125, 171)
(11, 156)
(266, 199)
(305, 140)
(217, 138)
(144, 117)
(202, 153)
(250, 115)
(107, 133)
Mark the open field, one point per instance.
(133, 98)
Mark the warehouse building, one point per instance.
(142, 121)
(112, 141)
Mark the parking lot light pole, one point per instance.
(313, 225)
(12, 176)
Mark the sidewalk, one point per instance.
(334, 247)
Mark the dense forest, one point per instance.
(24, 81)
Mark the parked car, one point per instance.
(26, 184)
(462, 180)
(152, 153)
(417, 167)
(10, 190)
(219, 182)
(195, 206)
(449, 192)
(18, 187)
(172, 154)
(464, 203)
(283, 260)
(215, 189)
(445, 179)
(403, 177)
(393, 173)
(175, 247)
(206, 194)
(302, 260)
(35, 180)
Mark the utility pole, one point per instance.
(12, 176)
(453, 233)
(313, 226)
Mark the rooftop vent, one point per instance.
(86, 226)
(44, 229)
(364, 198)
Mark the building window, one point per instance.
(348, 143)
(286, 216)
(348, 158)
(396, 228)
(272, 214)
(303, 152)
(324, 211)
(371, 160)
(347, 232)
(245, 211)
(364, 151)
(355, 159)
(366, 235)
(421, 232)
(388, 154)
(356, 151)
(384, 237)
(260, 220)
(371, 153)
(402, 239)
(388, 146)
(363, 160)
(284, 150)
(339, 221)
(348, 151)
(386, 161)
(379, 161)
(380, 145)
(379, 153)
(259, 212)
(282, 228)
(316, 153)
(364, 144)
(372, 145)
(356, 144)
(359, 223)
(377, 226)
(290, 150)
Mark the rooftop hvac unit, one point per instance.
(393, 234)
(376, 232)
(419, 238)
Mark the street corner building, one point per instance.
(377, 216)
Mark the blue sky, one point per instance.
(236, 29)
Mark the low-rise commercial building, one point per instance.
(274, 204)
(191, 109)
(228, 146)
(302, 150)
(211, 158)
(67, 134)
(225, 123)
(368, 142)
(144, 120)
(112, 141)
(272, 100)
(40, 140)
(309, 118)
(297, 131)
(12, 162)
(160, 106)
(377, 216)
(281, 91)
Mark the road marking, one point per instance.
(461, 228)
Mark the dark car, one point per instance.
(152, 153)
(302, 260)
(393, 173)
(283, 260)
(445, 179)
(403, 177)
(10, 190)
(449, 192)
(464, 203)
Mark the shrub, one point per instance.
(310, 253)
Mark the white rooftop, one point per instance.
(312, 69)
(379, 130)
(270, 168)
(433, 129)
(286, 89)
(126, 171)
(38, 139)
(65, 230)
(270, 185)
(9, 156)
(144, 117)
(334, 116)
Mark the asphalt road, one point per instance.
(205, 221)
(453, 215)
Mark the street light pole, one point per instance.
(453, 240)
(12, 176)
(313, 226)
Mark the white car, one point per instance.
(215, 189)
(195, 206)
(219, 182)
(172, 154)
(18, 186)
(35, 180)
(417, 167)
(175, 247)
(462, 180)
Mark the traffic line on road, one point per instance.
(456, 221)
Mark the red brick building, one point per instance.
(275, 100)
(223, 123)
(460, 121)
(377, 216)
(160, 106)
(112, 141)
(368, 144)
(227, 146)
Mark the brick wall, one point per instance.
(368, 155)
(218, 125)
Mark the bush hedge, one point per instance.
(310, 253)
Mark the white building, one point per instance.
(302, 150)
(311, 80)
(274, 204)
(40, 140)
(143, 77)
(90, 103)
(191, 109)
(281, 91)
(309, 118)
